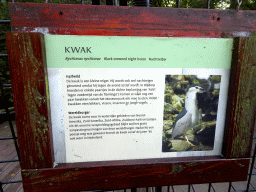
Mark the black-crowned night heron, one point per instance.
(189, 116)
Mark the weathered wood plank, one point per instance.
(29, 84)
(5, 130)
(4, 144)
(8, 151)
(134, 175)
(241, 107)
(131, 21)
(11, 156)
(10, 172)
(14, 187)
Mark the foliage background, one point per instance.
(5, 92)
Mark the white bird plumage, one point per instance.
(189, 116)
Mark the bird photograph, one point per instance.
(190, 112)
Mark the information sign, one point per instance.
(116, 98)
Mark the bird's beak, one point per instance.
(201, 89)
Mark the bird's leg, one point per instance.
(189, 141)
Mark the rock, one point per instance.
(170, 109)
(167, 97)
(180, 145)
(178, 77)
(168, 89)
(177, 102)
(192, 79)
(168, 124)
(180, 87)
(168, 133)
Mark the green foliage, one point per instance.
(4, 27)
(4, 15)
(163, 3)
(214, 4)
(246, 5)
(5, 93)
(193, 4)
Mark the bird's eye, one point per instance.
(196, 87)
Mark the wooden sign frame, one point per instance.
(26, 51)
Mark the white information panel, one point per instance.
(121, 98)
